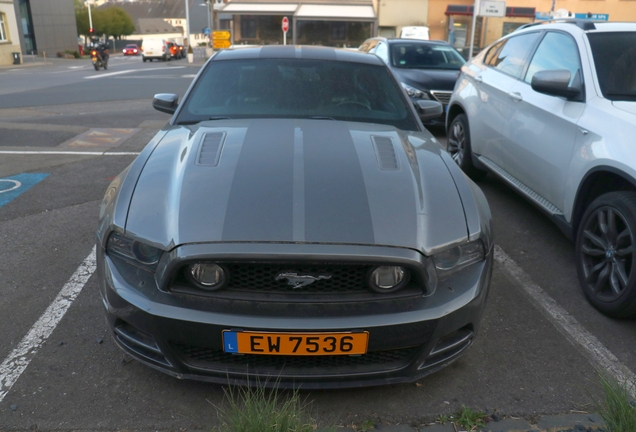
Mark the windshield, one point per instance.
(425, 56)
(296, 88)
(615, 60)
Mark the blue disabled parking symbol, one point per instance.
(12, 187)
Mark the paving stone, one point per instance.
(448, 427)
(568, 421)
(508, 425)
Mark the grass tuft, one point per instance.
(616, 409)
(469, 419)
(264, 410)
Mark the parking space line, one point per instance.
(593, 349)
(18, 360)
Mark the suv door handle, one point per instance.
(515, 96)
(479, 79)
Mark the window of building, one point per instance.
(3, 28)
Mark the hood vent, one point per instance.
(385, 153)
(210, 148)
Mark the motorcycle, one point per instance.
(99, 59)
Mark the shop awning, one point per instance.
(512, 11)
(331, 11)
(260, 8)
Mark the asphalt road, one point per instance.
(66, 130)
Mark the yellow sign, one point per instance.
(221, 44)
(222, 35)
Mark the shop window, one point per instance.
(248, 27)
(338, 30)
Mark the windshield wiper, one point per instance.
(219, 118)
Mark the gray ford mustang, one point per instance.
(295, 225)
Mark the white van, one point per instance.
(420, 32)
(155, 49)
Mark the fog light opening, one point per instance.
(207, 276)
(386, 279)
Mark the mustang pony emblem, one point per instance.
(300, 280)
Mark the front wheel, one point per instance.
(606, 252)
(96, 66)
(458, 146)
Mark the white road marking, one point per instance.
(593, 349)
(80, 153)
(18, 360)
(104, 75)
(15, 184)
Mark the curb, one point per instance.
(552, 423)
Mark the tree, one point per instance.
(116, 22)
(111, 21)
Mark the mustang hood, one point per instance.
(291, 180)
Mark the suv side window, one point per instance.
(556, 51)
(511, 58)
(490, 56)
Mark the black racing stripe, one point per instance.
(260, 207)
(336, 202)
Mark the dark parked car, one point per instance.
(427, 69)
(131, 49)
(308, 232)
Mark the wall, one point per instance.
(400, 13)
(13, 36)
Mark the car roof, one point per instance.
(571, 24)
(409, 40)
(297, 52)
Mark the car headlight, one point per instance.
(133, 250)
(413, 92)
(458, 257)
(387, 279)
(207, 276)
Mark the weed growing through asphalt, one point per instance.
(617, 408)
(259, 409)
(469, 419)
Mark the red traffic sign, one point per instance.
(285, 24)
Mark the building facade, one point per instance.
(46, 27)
(9, 34)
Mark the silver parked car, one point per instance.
(307, 232)
(551, 110)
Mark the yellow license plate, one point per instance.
(311, 344)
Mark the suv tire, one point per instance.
(458, 145)
(606, 254)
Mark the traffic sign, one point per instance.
(222, 35)
(285, 24)
(206, 31)
(222, 44)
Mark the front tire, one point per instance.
(606, 253)
(458, 145)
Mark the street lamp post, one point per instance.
(187, 31)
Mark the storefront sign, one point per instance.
(492, 8)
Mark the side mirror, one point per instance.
(557, 83)
(428, 109)
(165, 102)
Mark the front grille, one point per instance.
(216, 360)
(258, 282)
(262, 278)
(442, 96)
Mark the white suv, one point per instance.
(551, 110)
